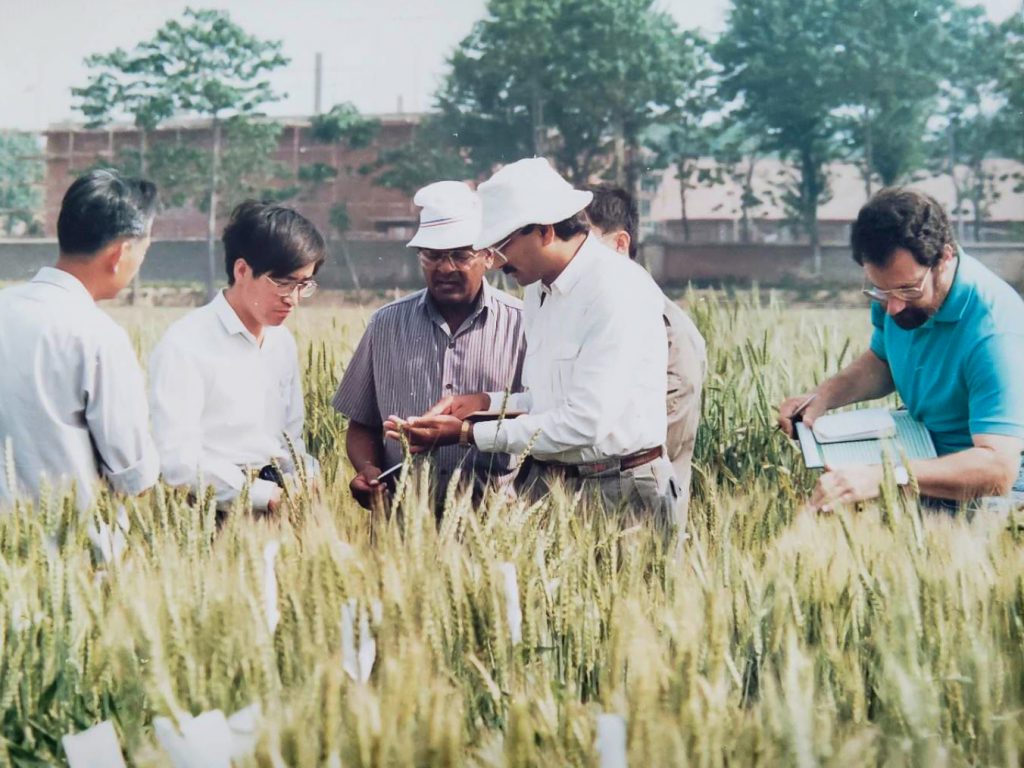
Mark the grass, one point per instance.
(879, 636)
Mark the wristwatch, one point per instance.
(465, 432)
(901, 475)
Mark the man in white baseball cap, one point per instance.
(595, 370)
(457, 335)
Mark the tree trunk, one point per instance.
(956, 184)
(683, 174)
(211, 225)
(348, 262)
(809, 194)
(745, 199)
(978, 200)
(133, 291)
(537, 122)
(869, 159)
(619, 148)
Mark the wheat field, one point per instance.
(875, 636)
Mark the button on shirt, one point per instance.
(595, 365)
(409, 358)
(72, 397)
(223, 403)
(961, 372)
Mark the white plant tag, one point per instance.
(270, 609)
(209, 739)
(611, 741)
(513, 611)
(95, 748)
(244, 726)
(357, 665)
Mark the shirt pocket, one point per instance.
(564, 357)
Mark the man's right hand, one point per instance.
(817, 407)
(274, 502)
(460, 406)
(366, 490)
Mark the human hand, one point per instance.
(847, 485)
(790, 408)
(460, 406)
(424, 432)
(367, 490)
(274, 502)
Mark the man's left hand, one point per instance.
(424, 432)
(847, 485)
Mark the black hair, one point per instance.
(566, 229)
(900, 218)
(272, 240)
(102, 206)
(614, 209)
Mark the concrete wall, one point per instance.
(675, 264)
(388, 264)
(379, 264)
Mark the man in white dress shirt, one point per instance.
(614, 218)
(72, 397)
(226, 392)
(596, 353)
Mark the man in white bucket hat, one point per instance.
(596, 359)
(457, 335)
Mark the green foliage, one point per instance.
(873, 636)
(21, 173)
(432, 154)
(577, 81)
(344, 123)
(340, 218)
(779, 65)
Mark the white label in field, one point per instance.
(95, 748)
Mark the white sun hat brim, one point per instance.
(525, 192)
(450, 216)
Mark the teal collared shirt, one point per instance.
(962, 372)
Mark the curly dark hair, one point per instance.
(895, 218)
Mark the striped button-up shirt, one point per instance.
(409, 358)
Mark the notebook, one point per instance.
(908, 437)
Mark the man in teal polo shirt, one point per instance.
(949, 339)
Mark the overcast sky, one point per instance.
(377, 53)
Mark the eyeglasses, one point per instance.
(497, 249)
(458, 257)
(900, 294)
(286, 288)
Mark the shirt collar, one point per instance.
(483, 301)
(960, 291)
(577, 266)
(229, 318)
(62, 279)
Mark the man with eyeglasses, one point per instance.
(949, 339)
(596, 362)
(457, 335)
(226, 392)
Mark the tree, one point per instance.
(686, 137)
(205, 65)
(974, 128)
(779, 63)
(21, 172)
(433, 153)
(578, 81)
(892, 54)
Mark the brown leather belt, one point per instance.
(632, 461)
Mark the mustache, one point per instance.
(508, 269)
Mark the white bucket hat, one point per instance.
(450, 216)
(525, 192)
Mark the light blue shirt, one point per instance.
(962, 372)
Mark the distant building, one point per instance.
(715, 212)
(375, 213)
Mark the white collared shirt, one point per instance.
(596, 354)
(72, 396)
(222, 402)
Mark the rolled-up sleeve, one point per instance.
(356, 397)
(118, 418)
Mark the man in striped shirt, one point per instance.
(457, 335)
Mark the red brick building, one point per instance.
(375, 212)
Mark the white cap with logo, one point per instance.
(450, 216)
(525, 192)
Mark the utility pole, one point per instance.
(318, 83)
